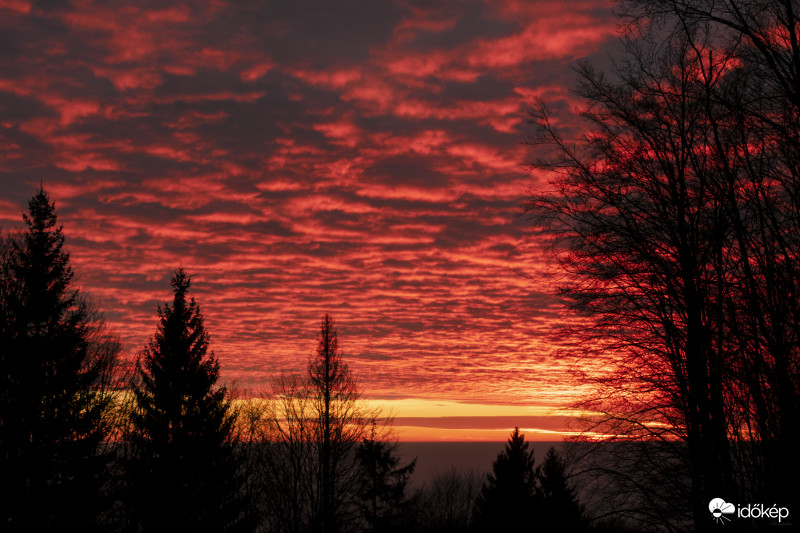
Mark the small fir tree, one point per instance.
(507, 501)
(381, 485)
(53, 404)
(560, 509)
(183, 472)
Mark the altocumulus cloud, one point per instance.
(362, 158)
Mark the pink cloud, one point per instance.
(343, 132)
(486, 156)
(220, 96)
(334, 79)
(404, 192)
(422, 20)
(170, 14)
(127, 78)
(87, 160)
(257, 71)
(19, 6)
(377, 177)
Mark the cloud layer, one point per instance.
(358, 158)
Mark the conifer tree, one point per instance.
(559, 504)
(507, 501)
(382, 484)
(183, 471)
(53, 403)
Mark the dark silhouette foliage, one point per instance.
(382, 486)
(183, 472)
(508, 499)
(54, 377)
(559, 509)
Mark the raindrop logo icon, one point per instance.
(719, 509)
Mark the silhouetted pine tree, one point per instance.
(53, 403)
(381, 486)
(560, 510)
(183, 472)
(508, 499)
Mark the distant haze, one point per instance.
(439, 457)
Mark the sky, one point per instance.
(360, 158)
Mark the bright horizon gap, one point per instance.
(427, 408)
(425, 420)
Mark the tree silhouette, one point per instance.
(315, 423)
(677, 228)
(381, 486)
(183, 472)
(447, 504)
(753, 104)
(559, 507)
(289, 459)
(339, 426)
(508, 498)
(54, 397)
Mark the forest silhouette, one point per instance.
(89, 444)
(86, 447)
(674, 220)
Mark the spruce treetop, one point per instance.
(41, 265)
(184, 471)
(513, 470)
(508, 497)
(177, 376)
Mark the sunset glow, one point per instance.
(364, 159)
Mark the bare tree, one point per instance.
(288, 459)
(448, 503)
(642, 208)
(759, 115)
(679, 214)
(315, 424)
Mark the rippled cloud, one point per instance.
(359, 158)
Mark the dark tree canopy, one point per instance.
(183, 471)
(508, 499)
(53, 398)
(382, 486)
(559, 507)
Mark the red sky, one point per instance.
(360, 158)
